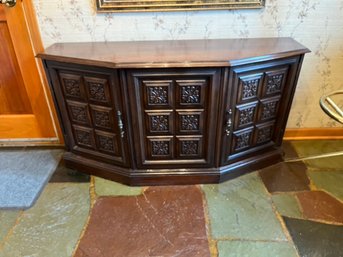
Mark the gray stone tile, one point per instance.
(287, 205)
(53, 226)
(315, 147)
(241, 208)
(255, 249)
(330, 181)
(7, 221)
(104, 187)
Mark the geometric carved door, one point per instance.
(175, 117)
(257, 110)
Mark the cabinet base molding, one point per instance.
(171, 176)
(313, 133)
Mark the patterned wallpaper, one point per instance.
(316, 24)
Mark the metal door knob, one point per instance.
(9, 3)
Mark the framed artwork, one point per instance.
(174, 5)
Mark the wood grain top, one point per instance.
(174, 53)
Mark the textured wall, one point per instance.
(317, 24)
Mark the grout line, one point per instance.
(212, 242)
(10, 232)
(92, 199)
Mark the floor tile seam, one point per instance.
(277, 214)
(11, 230)
(212, 242)
(92, 200)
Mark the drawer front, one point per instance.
(257, 106)
(90, 108)
(175, 114)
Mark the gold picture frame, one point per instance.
(174, 5)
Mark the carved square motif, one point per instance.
(274, 81)
(242, 140)
(98, 90)
(78, 112)
(102, 117)
(191, 92)
(249, 87)
(269, 109)
(107, 142)
(72, 86)
(157, 93)
(264, 133)
(160, 148)
(245, 115)
(84, 136)
(190, 122)
(189, 147)
(159, 123)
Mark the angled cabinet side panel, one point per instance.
(257, 105)
(90, 105)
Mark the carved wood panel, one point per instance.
(175, 113)
(256, 106)
(91, 99)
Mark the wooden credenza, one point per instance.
(173, 112)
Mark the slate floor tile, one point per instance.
(289, 150)
(52, 227)
(241, 208)
(255, 249)
(315, 147)
(326, 164)
(285, 177)
(164, 221)
(64, 174)
(7, 221)
(105, 187)
(330, 181)
(318, 147)
(318, 205)
(287, 205)
(314, 239)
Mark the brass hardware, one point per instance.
(228, 123)
(9, 3)
(120, 124)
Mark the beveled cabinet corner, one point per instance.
(154, 116)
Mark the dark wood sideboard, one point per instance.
(173, 112)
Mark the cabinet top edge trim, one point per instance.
(174, 53)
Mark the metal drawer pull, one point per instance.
(120, 124)
(228, 123)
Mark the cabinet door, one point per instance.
(174, 116)
(257, 105)
(90, 107)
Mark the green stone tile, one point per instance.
(314, 147)
(255, 249)
(7, 221)
(329, 181)
(287, 205)
(105, 187)
(53, 226)
(241, 208)
(325, 164)
(311, 148)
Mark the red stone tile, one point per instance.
(285, 177)
(165, 221)
(318, 205)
